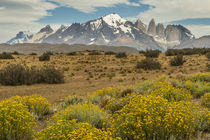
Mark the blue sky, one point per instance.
(21, 15)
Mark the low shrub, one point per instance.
(102, 96)
(45, 57)
(16, 123)
(177, 60)
(208, 55)
(94, 53)
(197, 89)
(71, 100)
(153, 117)
(72, 53)
(37, 105)
(89, 113)
(121, 55)
(88, 132)
(187, 51)
(199, 77)
(169, 92)
(16, 74)
(110, 53)
(33, 53)
(5, 55)
(206, 100)
(58, 130)
(148, 64)
(152, 53)
(49, 75)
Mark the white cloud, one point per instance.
(172, 10)
(17, 15)
(89, 6)
(199, 30)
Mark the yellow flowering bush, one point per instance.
(16, 123)
(88, 132)
(206, 100)
(154, 117)
(36, 104)
(199, 77)
(169, 92)
(89, 113)
(58, 130)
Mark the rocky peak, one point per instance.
(178, 32)
(152, 28)
(113, 20)
(47, 29)
(140, 25)
(160, 30)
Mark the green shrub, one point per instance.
(45, 57)
(5, 55)
(110, 53)
(16, 74)
(177, 60)
(197, 89)
(199, 77)
(49, 75)
(71, 100)
(33, 53)
(121, 55)
(89, 113)
(72, 53)
(148, 64)
(152, 53)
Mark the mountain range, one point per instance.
(113, 30)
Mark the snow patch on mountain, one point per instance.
(21, 37)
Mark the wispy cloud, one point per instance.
(172, 10)
(89, 6)
(17, 15)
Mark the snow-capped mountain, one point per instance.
(113, 30)
(21, 37)
(110, 30)
(41, 35)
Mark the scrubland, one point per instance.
(97, 95)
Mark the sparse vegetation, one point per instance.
(5, 55)
(177, 60)
(208, 55)
(173, 52)
(148, 64)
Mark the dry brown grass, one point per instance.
(87, 73)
